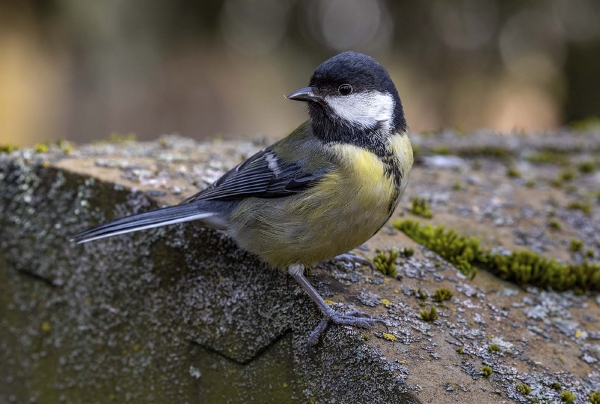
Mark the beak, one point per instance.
(304, 94)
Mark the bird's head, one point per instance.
(351, 95)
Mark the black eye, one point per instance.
(345, 89)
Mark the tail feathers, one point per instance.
(142, 221)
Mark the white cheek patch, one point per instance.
(364, 109)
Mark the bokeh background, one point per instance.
(80, 70)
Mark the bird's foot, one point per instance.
(350, 258)
(354, 318)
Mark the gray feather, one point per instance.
(147, 220)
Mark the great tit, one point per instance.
(323, 190)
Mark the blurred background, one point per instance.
(81, 70)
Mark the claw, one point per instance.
(354, 318)
(313, 338)
(350, 258)
(356, 313)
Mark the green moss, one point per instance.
(470, 151)
(420, 207)
(407, 252)
(459, 250)
(443, 150)
(487, 371)
(494, 348)
(460, 351)
(548, 157)
(582, 206)
(457, 186)
(586, 167)
(65, 146)
(484, 151)
(571, 189)
(567, 397)
(573, 149)
(576, 245)
(526, 267)
(590, 253)
(588, 124)
(524, 389)
(429, 315)
(595, 397)
(567, 175)
(8, 148)
(530, 183)
(41, 148)
(556, 386)
(421, 294)
(554, 225)
(459, 130)
(441, 295)
(520, 267)
(512, 172)
(116, 137)
(385, 261)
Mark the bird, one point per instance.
(321, 191)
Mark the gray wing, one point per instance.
(263, 175)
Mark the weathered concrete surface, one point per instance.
(172, 315)
(180, 314)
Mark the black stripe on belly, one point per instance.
(392, 168)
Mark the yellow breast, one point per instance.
(342, 211)
(364, 175)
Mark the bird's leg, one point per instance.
(354, 259)
(355, 318)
